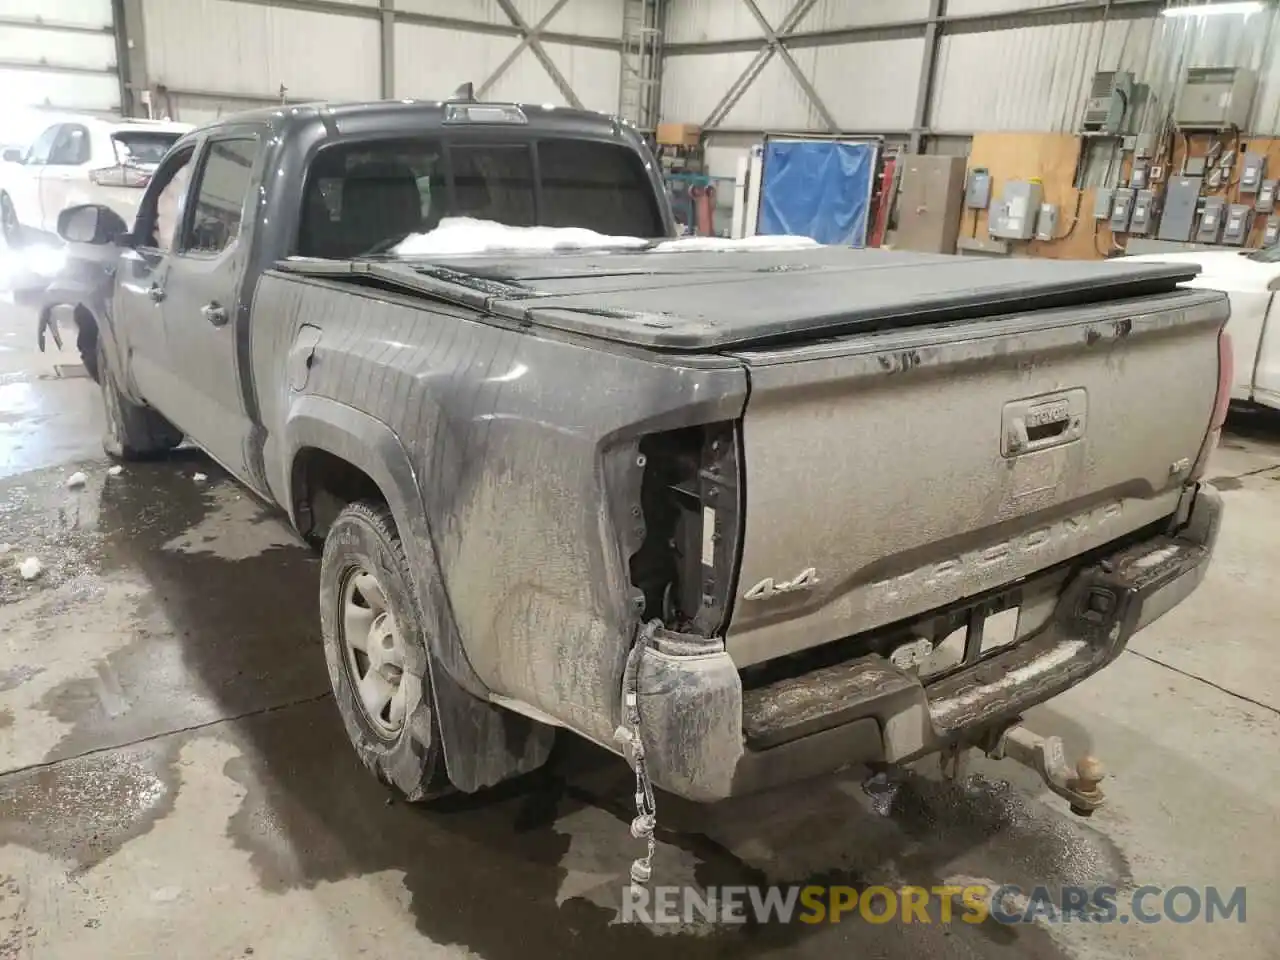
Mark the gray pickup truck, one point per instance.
(719, 511)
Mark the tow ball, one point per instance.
(1047, 757)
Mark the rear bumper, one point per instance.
(707, 739)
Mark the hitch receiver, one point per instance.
(1046, 756)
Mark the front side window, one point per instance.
(226, 180)
(161, 210)
(71, 148)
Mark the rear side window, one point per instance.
(225, 181)
(600, 186)
(142, 148)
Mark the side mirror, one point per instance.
(91, 223)
(1274, 285)
(13, 154)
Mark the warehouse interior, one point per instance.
(174, 778)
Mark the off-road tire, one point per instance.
(364, 537)
(133, 432)
(87, 340)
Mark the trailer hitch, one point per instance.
(1047, 757)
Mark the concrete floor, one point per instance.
(175, 782)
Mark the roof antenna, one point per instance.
(465, 92)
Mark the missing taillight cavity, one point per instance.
(692, 510)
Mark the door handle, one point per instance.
(215, 313)
(155, 292)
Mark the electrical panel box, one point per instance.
(1013, 216)
(1179, 217)
(1266, 201)
(1215, 98)
(1139, 178)
(1047, 222)
(1235, 230)
(977, 192)
(1255, 168)
(1144, 213)
(1271, 232)
(1121, 210)
(1210, 230)
(1102, 203)
(1108, 102)
(1194, 166)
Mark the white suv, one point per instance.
(80, 160)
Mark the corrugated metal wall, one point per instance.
(997, 72)
(70, 66)
(214, 57)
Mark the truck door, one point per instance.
(205, 307)
(140, 288)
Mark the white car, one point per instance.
(1251, 278)
(80, 160)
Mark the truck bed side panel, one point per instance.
(524, 449)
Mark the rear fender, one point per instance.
(483, 744)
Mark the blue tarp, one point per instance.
(819, 189)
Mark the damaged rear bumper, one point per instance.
(707, 739)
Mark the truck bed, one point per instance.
(709, 301)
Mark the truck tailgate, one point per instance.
(893, 473)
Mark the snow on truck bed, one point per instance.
(702, 293)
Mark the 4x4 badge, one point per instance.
(769, 587)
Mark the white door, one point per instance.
(64, 174)
(1266, 375)
(22, 183)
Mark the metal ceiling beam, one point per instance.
(928, 68)
(525, 42)
(387, 43)
(430, 20)
(131, 55)
(805, 84)
(535, 45)
(764, 53)
(1085, 11)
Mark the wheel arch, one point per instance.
(483, 743)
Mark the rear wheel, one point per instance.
(376, 650)
(133, 431)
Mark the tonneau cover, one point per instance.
(699, 301)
